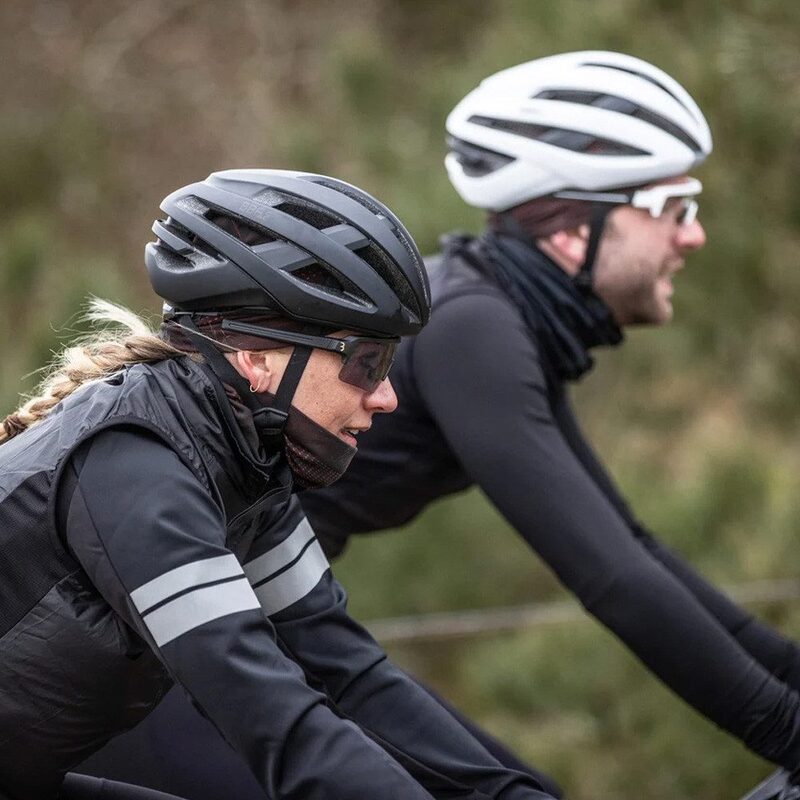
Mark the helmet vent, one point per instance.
(474, 160)
(641, 75)
(348, 191)
(418, 266)
(172, 262)
(193, 205)
(244, 230)
(323, 278)
(387, 270)
(311, 214)
(576, 141)
(182, 233)
(200, 248)
(397, 281)
(612, 102)
(270, 197)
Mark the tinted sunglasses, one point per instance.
(366, 360)
(654, 199)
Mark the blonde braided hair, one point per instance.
(95, 357)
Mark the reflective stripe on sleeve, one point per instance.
(267, 564)
(189, 611)
(208, 570)
(294, 583)
(191, 595)
(289, 571)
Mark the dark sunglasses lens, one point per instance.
(368, 364)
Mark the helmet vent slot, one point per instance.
(324, 278)
(398, 281)
(641, 75)
(171, 262)
(193, 205)
(476, 161)
(621, 105)
(348, 191)
(577, 141)
(244, 230)
(391, 275)
(269, 197)
(313, 215)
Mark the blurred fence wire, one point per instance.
(486, 621)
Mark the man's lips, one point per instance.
(668, 273)
(671, 267)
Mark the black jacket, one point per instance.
(145, 537)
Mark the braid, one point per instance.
(96, 357)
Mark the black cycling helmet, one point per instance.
(324, 252)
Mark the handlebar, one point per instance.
(776, 787)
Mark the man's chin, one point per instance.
(658, 314)
(662, 311)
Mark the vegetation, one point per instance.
(108, 106)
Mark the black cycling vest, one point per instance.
(51, 614)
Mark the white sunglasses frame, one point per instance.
(653, 199)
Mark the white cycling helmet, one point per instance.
(591, 120)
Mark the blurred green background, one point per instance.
(107, 106)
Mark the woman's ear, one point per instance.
(567, 248)
(255, 368)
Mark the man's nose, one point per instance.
(691, 237)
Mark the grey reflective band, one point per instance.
(288, 572)
(189, 611)
(191, 595)
(294, 583)
(267, 564)
(181, 578)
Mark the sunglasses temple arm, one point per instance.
(320, 342)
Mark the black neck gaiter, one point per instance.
(316, 457)
(565, 319)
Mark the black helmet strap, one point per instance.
(269, 413)
(509, 225)
(291, 378)
(597, 224)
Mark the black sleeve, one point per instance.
(308, 609)
(152, 540)
(500, 426)
(773, 651)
